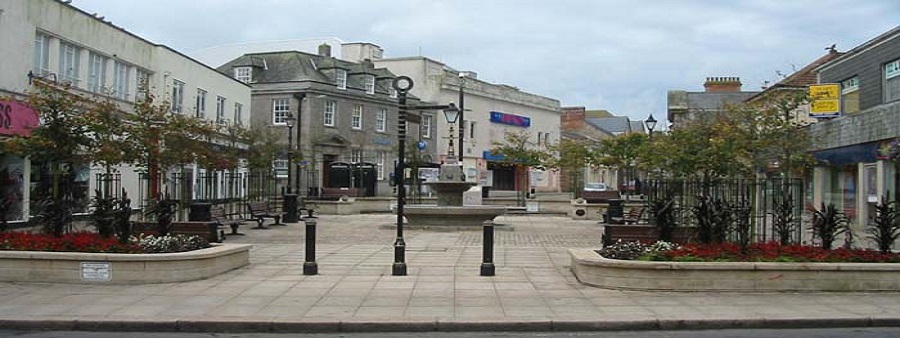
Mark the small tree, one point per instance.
(518, 151)
(887, 228)
(828, 223)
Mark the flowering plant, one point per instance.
(769, 252)
(631, 250)
(94, 243)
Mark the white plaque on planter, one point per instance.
(95, 271)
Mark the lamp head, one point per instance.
(451, 113)
(650, 123)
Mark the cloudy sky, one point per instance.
(617, 55)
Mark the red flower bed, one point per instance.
(74, 242)
(772, 252)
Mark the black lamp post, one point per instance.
(289, 121)
(462, 107)
(402, 85)
(650, 123)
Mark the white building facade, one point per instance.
(491, 111)
(58, 42)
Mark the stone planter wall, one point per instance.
(592, 269)
(75, 267)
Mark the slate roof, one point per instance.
(294, 66)
(713, 101)
(612, 125)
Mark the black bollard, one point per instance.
(309, 265)
(487, 262)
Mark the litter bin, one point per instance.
(615, 214)
(485, 192)
(200, 212)
(290, 208)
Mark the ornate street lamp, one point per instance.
(289, 121)
(452, 114)
(650, 123)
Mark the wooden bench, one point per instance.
(337, 193)
(634, 216)
(221, 218)
(600, 196)
(259, 211)
(207, 230)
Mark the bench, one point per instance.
(259, 211)
(207, 230)
(337, 193)
(600, 196)
(634, 216)
(221, 218)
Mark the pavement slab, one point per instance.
(533, 289)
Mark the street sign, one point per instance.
(413, 117)
(825, 100)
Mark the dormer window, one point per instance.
(340, 78)
(369, 82)
(243, 74)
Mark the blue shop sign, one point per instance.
(487, 155)
(510, 119)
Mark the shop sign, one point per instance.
(17, 118)
(510, 119)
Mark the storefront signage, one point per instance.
(510, 119)
(487, 155)
(381, 141)
(17, 118)
(825, 100)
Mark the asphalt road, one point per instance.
(751, 333)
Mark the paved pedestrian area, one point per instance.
(354, 290)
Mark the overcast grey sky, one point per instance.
(616, 55)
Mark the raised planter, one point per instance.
(592, 269)
(76, 267)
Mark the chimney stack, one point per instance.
(722, 84)
(325, 50)
(572, 118)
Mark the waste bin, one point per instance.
(615, 214)
(289, 205)
(200, 212)
(485, 192)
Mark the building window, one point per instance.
(200, 108)
(369, 84)
(120, 80)
(850, 95)
(892, 81)
(281, 168)
(380, 119)
(243, 74)
(539, 138)
(69, 59)
(471, 130)
(238, 114)
(330, 111)
(357, 117)
(177, 96)
(426, 126)
(340, 78)
(96, 72)
(392, 92)
(379, 164)
(220, 109)
(41, 54)
(143, 84)
(281, 109)
(356, 155)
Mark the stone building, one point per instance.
(856, 152)
(56, 41)
(346, 118)
(718, 93)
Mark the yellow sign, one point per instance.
(828, 91)
(825, 100)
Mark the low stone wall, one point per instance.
(75, 267)
(591, 268)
